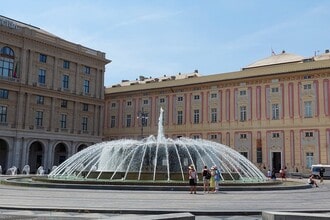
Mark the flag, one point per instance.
(15, 72)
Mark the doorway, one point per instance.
(3, 156)
(276, 161)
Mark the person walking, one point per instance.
(273, 174)
(283, 173)
(212, 179)
(269, 174)
(217, 177)
(206, 173)
(321, 174)
(192, 179)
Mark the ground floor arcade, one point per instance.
(36, 152)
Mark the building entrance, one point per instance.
(3, 156)
(276, 161)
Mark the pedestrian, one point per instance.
(192, 179)
(283, 174)
(269, 174)
(311, 181)
(212, 179)
(273, 174)
(206, 179)
(322, 170)
(217, 177)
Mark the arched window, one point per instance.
(7, 62)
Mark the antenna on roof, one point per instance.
(273, 53)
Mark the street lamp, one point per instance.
(143, 116)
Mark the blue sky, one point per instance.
(156, 38)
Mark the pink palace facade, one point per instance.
(275, 111)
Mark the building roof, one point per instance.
(42, 35)
(267, 70)
(14, 24)
(275, 59)
(146, 80)
(324, 56)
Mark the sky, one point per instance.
(166, 37)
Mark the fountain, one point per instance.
(12, 171)
(40, 170)
(26, 170)
(154, 160)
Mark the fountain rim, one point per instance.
(43, 181)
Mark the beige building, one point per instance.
(275, 111)
(51, 96)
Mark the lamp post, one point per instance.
(143, 116)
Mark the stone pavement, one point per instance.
(56, 203)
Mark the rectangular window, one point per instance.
(309, 134)
(162, 100)
(309, 159)
(180, 118)
(243, 113)
(85, 107)
(275, 112)
(3, 114)
(87, 70)
(259, 155)
(180, 99)
(242, 92)
(275, 135)
(40, 99)
(86, 87)
(275, 90)
(243, 136)
(4, 94)
(214, 95)
(196, 137)
(129, 103)
(307, 86)
(42, 76)
(145, 102)
(308, 109)
(6, 67)
(39, 119)
(42, 58)
(128, 121)
(84, 124)
(213, 136)
(113, 122)
(144, 119)
(113, 105)
(63, 121)
(65, 81)
(214, 115)
(64, 103)
(196, 116)
(245, 154)
(196, 97)
(66, 64)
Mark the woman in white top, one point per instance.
(192, 179)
